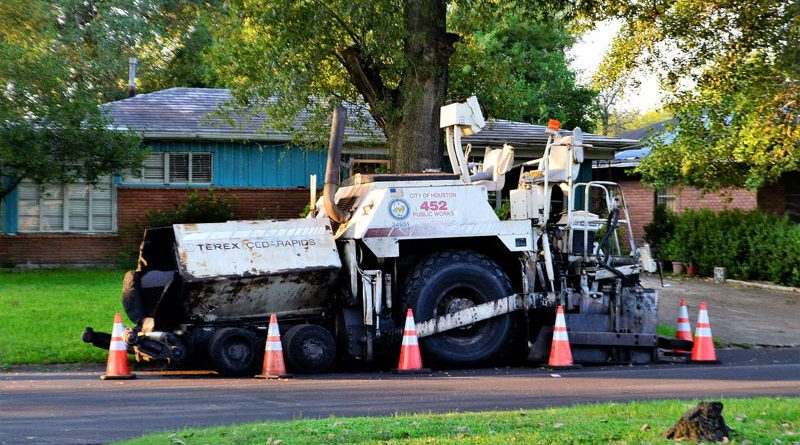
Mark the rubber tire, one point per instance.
(481, 281)
(309, 349)
(233, 352)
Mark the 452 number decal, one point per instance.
(433, 205)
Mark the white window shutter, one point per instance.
(78, 206)
(28, 206)
(201, 168)
(179, 167)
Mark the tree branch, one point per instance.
(369, 83)
(10, 188)
(338, 19)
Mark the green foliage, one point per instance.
(60, 59)
(306, 210)
(55, 66)
(660, 228)
(214, 207)
(514, 60)
(733, 73)
(602, 423)
(751, 245)
(45, 312)
(504, 211)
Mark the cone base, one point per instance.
(563, 367)
(117, 377)
(274, 377)
(411, 371)
(705, 362)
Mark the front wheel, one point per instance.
(448, 282)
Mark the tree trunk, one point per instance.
(413, 133)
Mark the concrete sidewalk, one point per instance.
(739, 314)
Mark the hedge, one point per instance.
(751, 245)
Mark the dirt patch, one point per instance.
(741, 315)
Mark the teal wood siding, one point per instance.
(585, 175)
(236, 164)
(8, 210)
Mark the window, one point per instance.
(78, 207)
(369, 166)
(668, 196)
(174, 168)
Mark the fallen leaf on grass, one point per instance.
(645, 427)
(331, 436)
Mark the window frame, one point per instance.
(668, 196)
(165, 174)
(65, 210)
(383, 163)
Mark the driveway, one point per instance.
(741, 315)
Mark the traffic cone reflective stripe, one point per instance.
(117, 366)
(560, 352)
(684, 329)
(703, 350)
(274, 366)
(410, 357)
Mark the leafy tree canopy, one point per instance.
(395, 56)
(514, 60)
(59, 60)
(732, 68)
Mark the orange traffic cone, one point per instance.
(684, 329)
(274, 367)
(703, 349)
(560, 353)
(117, 367)
(410, 358)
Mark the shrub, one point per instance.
(660, 229)
(214, 207)
(751, 245)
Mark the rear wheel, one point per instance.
(310, 349)
(448, 282)
(233, 351)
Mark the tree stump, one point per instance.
(704, 422)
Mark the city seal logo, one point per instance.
(399, 208)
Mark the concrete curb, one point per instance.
(764, 285)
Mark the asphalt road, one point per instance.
(78, 408)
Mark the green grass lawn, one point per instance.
(44, 312)
(754, 421)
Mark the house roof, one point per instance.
(190, 113)
(632, 157)
(648, 130)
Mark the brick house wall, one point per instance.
(641, 199)
(727, 199)
(132, 204)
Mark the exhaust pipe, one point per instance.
(332, 166)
